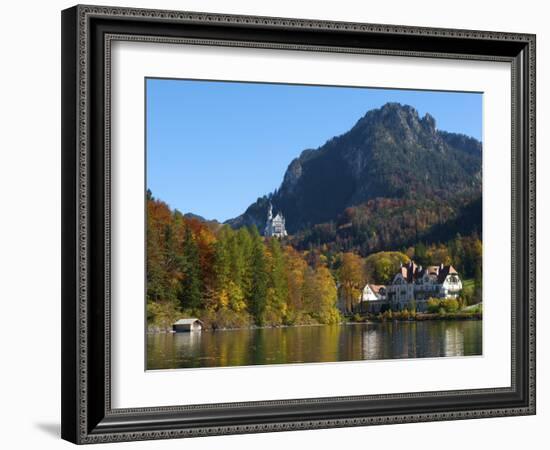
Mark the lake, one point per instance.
(324, 343)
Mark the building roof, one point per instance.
(411, 271)
(444, 271)
(432, 270)
(376, 287)
(189, 321)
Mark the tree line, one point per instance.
(353, 271)
(392, 223)
(236, 278)
(230, 278)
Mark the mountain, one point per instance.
(213, 224)
(190, 215)
(390, 153)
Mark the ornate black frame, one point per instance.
(87, 416)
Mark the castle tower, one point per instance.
(275, 226)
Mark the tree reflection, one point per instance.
(329, 343)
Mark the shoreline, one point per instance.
(420, 317)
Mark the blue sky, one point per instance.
(214, 147)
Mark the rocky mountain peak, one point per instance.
(391, 152)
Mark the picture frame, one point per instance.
(87, 365)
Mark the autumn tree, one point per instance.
(325, 297)
(158, 221)
(162, 273)
(478, 276)
(382, 266)
(352, 280)
(296, 268)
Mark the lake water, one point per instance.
(326, 343)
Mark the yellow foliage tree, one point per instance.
(352, 280)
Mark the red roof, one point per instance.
(376, 287)
(412, 272)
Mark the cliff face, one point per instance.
(391, 152)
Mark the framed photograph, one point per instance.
(279, 224)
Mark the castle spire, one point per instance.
(275, 226)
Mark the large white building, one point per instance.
(275, 226)
(412, 286)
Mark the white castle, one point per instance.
(275, 226)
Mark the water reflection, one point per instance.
(314, 344)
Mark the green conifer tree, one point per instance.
(259, 278)
(276, 302)
(191, 284)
